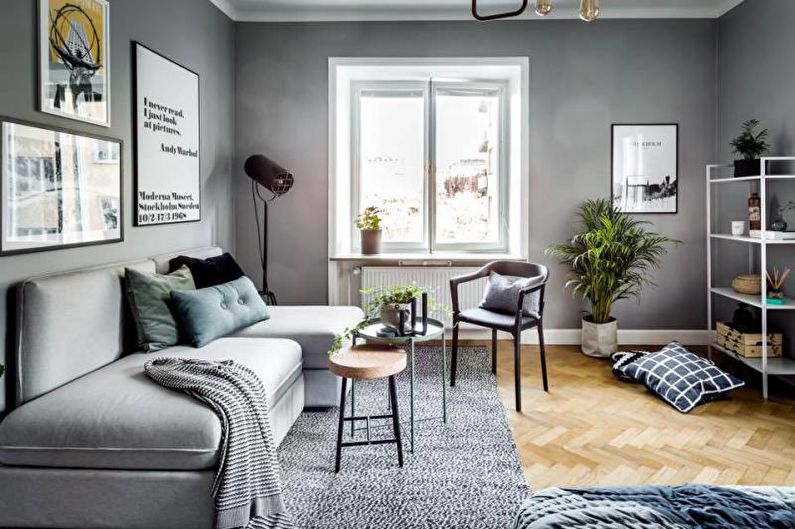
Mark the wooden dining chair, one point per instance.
(513, 323)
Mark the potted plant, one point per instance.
(386, 303)
(610, 260)
(369, 224)
(751, 146)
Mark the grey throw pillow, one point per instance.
(212, 312)
(502, 295)
(150, 301)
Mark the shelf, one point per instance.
(751, 178)
(775, 366)
(752, 240)
(732, 179)
(755, 301)
(740, 238)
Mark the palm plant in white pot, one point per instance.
(610, 259)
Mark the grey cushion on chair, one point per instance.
(502, 295)
(489, 318)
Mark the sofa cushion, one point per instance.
(314, 327)
(149, 295)
(212, 312)
(210, 271)
(117, 418)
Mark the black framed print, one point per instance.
(645, 167)
(55, 193)
(74, 59)
(167, 177)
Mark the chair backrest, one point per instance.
(518, 269)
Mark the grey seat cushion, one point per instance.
(489, 318)
(314, 327)
(117, 418)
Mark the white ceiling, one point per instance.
(340, 10)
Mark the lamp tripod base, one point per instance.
(268, 297)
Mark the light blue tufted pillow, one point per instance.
(212, 312)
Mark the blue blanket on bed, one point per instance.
(683, 507)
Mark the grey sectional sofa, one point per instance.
(92, 443)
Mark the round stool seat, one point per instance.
(368, 361)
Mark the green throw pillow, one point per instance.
(150, 300)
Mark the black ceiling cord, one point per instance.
(484, 18)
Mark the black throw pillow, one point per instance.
(211, 271)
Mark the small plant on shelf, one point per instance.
(385, 303)
(750, 145)
(369, 225)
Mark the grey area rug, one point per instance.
(463, 474)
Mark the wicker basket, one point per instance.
(750, 284)
(747, 344)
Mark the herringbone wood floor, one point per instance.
(591, 429)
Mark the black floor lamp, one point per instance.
(277, 180)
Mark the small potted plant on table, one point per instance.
(610, 259)
(369, 225)
(751, 146)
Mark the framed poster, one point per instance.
(645, 167)
(54, 193)
(167, 179)
(74, 59)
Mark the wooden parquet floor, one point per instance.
(593, 430)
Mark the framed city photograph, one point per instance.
(167, 177)
(55, 193)
(645, 167)
(74, 59)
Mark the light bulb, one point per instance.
(543, 7)
(589, 10)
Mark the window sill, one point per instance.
(424, 259)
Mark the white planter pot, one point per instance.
(390, 315)
(599, 340)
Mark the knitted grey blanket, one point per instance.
(247, 489)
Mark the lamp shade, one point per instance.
(268, 174)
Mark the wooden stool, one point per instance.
(369, 361)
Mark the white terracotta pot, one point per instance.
(599, 340)
(390, 315)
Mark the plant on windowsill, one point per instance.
(610, 259)
(369, 225)
(387, 303)
(751, 146)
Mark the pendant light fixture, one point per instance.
(543, 7)
(589, 10)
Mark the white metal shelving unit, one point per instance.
(764, 365)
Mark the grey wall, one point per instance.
(583, 78)
(756, 76)
(194, 33)
(756, 79)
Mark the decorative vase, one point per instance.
(390, 315)
(371, 242)
(599, 340)
(747, 168)
(779, 224)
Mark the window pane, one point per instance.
(467, 168)
(392, 163)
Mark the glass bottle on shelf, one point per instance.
(755, 212)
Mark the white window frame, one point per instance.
(344, 73)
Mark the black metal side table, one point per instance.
(372, 332)
(368, 361)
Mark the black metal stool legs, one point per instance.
(353, 418)
(341, 423)
(395, 418)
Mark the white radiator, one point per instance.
(432, 279)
